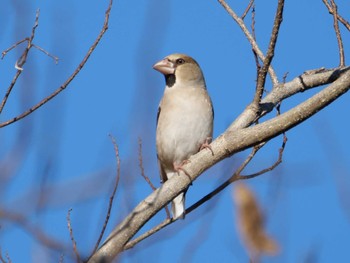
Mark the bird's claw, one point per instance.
(206, 145)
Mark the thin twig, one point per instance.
(250, 38)
(69, 80)
(168, 221)
(7, 94)
(333, 9)
(237, 174)
(21, 61)
(270, 54)
(227, 182)
(155, 229)
(340, 18)
(72, 236)
(253, 24)
(4, 53)
(273, 166)
(234, 177)
(224, 146)
(46, 53)
(111, 198)
(256, 58)
(142, 168)
(247, 9)
(146, 177)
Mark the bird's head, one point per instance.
(180, 69)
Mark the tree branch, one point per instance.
(250, 38)
(21, 61)
(251, 2)
(224, 146)
(308, 80)
(340, 18)
(111, 198)
(69, 80)
(333, 9)
(74, 243)
(260, 85)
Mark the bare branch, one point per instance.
(250, 38)
(207, 197)
(168, 221)
(7, 94)
(308, 80)
(72, 236)
(237, 174)
(224, 146)
(4, 53)
(256, 57)
(69, 80)
(269, 56)
(111, 198)
(147, 178)
(340, 18)
(142, 168)
(154, 230)
(333, 9)
(21, 61)
(278, 162)
(251, 2)
(46, 53)
(227, 182)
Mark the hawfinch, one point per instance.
(185, 118)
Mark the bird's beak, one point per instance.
(165, 66)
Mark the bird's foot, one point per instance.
(179, 167)
(206, 145)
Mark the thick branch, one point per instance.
(224, 146)
(308, 80)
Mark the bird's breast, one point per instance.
(185, 122)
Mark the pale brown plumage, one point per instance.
(185, 118)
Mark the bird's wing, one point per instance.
(163, 176)
(158, 115)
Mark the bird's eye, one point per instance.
(180, 61)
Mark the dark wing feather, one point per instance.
(158, 116)
(163, 176)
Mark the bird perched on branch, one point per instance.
(185, 119)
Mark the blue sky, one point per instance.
(65, 144)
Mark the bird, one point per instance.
(184, 121)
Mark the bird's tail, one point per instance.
(178, 206)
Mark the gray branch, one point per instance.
(235, 139)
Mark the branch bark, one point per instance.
(227, 144)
